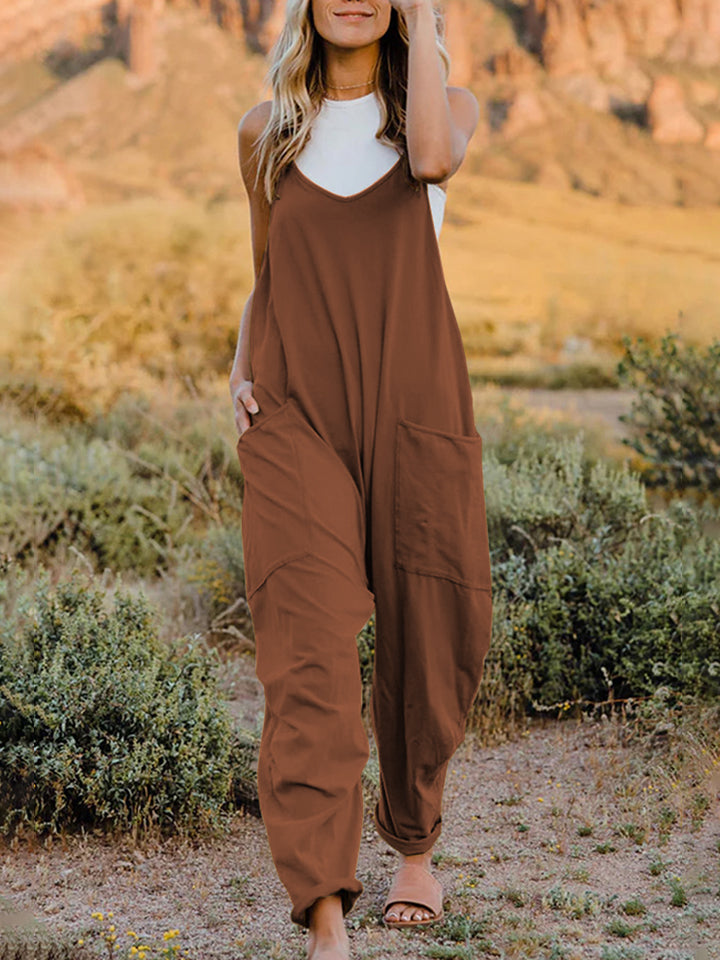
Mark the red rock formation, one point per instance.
(457, 41)
(712, 139)
(513, 62)
(607, 37)
(649, 24)
(572, 35)
(668, 116)
(525, 110)
(559, 33)
(34, 176)
(703, 93)
(142, 55)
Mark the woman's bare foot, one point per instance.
(327, 936)
(411, 911)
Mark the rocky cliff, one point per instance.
(619, 98)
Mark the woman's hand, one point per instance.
(407, 7)
(243, 401)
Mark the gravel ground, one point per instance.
(545, 841)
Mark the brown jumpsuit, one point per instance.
(363, 488)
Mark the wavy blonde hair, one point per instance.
(297, 77)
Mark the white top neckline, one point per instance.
(343, 156)
(335, 104)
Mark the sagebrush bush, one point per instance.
(595, 595)
(125, 490)
(88, 494)
(218, 571)
(676, 416)
(553, 493)
(101, 725)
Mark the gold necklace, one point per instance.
(349, 86)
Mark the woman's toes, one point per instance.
(408, 912)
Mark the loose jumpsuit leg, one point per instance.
(314, 746)
(304, 532)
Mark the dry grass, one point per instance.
(123, 297)
(530, 267)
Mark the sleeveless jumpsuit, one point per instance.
(363, 488)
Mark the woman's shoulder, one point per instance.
(253, 121)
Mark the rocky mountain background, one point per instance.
(109, 100)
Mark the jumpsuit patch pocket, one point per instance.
(274, 521)
(440, 524)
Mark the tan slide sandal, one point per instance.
(413, 884)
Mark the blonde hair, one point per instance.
(297, 79)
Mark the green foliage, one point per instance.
(41, 944)
(88, 494)
(124, 490)
(677, 413)
(366, 654)
(593, 619)
(219, 570)
(551, 494)
(101, 725)
(594, 595)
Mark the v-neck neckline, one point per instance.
(352, 196)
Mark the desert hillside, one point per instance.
(619, 100)
(588, 205)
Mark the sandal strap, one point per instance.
(414, 884)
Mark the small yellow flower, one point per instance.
(541, 800)
(80, 942)
(133, 951)
(131, 933)
(110, 916)
(111, 928)
(97, 915)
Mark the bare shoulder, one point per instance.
(250, 127)
(465, 110)
(464, 105)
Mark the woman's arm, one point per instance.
(440, 120)
(249, 129)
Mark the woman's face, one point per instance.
(351, 23)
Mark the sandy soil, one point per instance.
(544, 840)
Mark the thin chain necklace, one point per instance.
(349, 86)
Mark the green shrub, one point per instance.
(594, 595)
(552, 493)
(101, 725)
(61, 491)
(219, 570)
(677, 414)
(125, 490)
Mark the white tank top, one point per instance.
(344, 157)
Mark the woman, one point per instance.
(360, 455)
